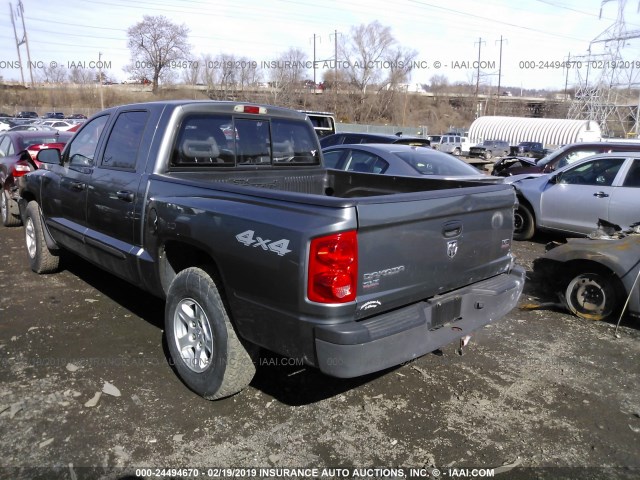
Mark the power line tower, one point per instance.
(19, 12)
(604, 79)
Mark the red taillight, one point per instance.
(20, 169)
(333, 268)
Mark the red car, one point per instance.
(18, 152)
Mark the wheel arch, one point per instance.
(523, 201)
(177, 255)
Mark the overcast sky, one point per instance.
(535, 33)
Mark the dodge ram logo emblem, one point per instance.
(452, 248)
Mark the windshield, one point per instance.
(562, 156)
(430, 162)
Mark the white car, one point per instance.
(572, 199)
(60, 125)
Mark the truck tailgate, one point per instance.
(414, 249)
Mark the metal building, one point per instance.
(552, 132)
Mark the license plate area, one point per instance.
(445, 311)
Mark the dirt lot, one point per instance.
(540, 394)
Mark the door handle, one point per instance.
(452, 229)
(600, 194)
(78, 186)
(125, 195)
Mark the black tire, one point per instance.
(524, 225)
(41, 259)
(457, 152)
(207, 354)
(592, 296)
(8, 219)
(488, 155)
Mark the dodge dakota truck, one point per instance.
(225, 211)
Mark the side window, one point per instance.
(123, 144)
(332, 158)
(633, 176)
(365, 162)
(206, 140)
(84, 144)
(600, 172)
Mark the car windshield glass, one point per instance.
(434, 163)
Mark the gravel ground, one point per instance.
(87, 392)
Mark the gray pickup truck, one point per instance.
(226, 211)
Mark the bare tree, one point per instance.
(82, 76)
(376, 68)
(191, 73)
(157, 47)
(287, 74)
(50, 73)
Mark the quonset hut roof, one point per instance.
(549, 131)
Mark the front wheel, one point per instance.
(41, 259)
(591, 296)
(8, 219)
(457, 152)
(524, 225)
(488, 155)
(207, 353)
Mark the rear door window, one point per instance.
(121, 151)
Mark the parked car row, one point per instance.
(48, 115)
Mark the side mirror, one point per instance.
(555, 179)
(50, 156)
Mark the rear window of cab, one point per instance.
(221, 141)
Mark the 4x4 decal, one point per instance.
(279, 246)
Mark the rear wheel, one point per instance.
(8, 219)
(592, 296)
(207, 354)
(524, 225)
(41, 259)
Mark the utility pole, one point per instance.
(478, 76)
(499, 74)
(100, 80)
(335, 70)
(15, 34)
(19, 11)
(314, 60)
(26, 42)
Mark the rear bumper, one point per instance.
(387, 340)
